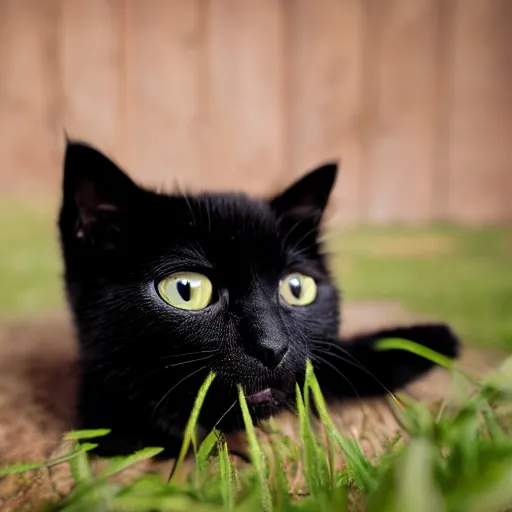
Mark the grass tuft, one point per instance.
(257, 456)
(453, 459)
(189, 436)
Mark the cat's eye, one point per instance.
(298, 289)
(186, 290)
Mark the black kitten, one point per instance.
(166, 288)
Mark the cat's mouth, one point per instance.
(268, 396)
(262, 397)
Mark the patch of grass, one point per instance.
(459, 275)
(456, 459)
(29, 259)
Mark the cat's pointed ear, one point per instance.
(308, 196)
(95, 191)
(93, 183)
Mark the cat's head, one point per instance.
(176, 284)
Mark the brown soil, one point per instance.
(38, 378)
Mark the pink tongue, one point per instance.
(262, 396)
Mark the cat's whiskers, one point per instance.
(355, 362)
(160, 369)
(226, 412)
(305, 249)
(360, 367)
(292, 229)
(169, 391)
(181, 363)
(147, 375)
(336, 345)
(183, 354)
(190, 361)
(142, 377)
(303, 237)
(320, 359)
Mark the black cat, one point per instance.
(166, 288)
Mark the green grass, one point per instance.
(456, 459)
(460, 275)
(29, 259)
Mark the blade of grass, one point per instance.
(280, 489)
(415, 348)
(174, 503)
(493, 425)
(206, 448)
(408, 484)
(256, 452)
(96, 494)
(488, 489)
(360, 468)
(316, 469)
(414, 417)
(416, 480)
(79, 435)
(80, 468)
(118, 464)
(22, 468)
(226, 476)
(425, 352)
(190, 429)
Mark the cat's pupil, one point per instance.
(183, 287)
(295, 286)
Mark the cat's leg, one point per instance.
(131, 426)
(126, 437)
(353, 368)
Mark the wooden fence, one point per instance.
(415, 97)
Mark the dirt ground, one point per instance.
(38, 379)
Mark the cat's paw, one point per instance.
(373, 371)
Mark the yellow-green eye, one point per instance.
(297, 289)
(186, 290)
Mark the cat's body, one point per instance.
(269, 305)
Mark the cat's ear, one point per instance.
(94, 182)
(95, 189)
(307, 197)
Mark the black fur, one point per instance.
(143, 360)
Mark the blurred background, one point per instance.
(414, 97)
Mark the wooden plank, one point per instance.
(444, 72)
(400, 154)
(416, 103)
(479, 181)
(325, 94)
(29, 98)
(91, 45)
(165, 73)
(246, 109)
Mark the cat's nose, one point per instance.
(269, 355)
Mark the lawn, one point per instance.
(29, 263)
(460, 275)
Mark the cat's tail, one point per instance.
(354, 368)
